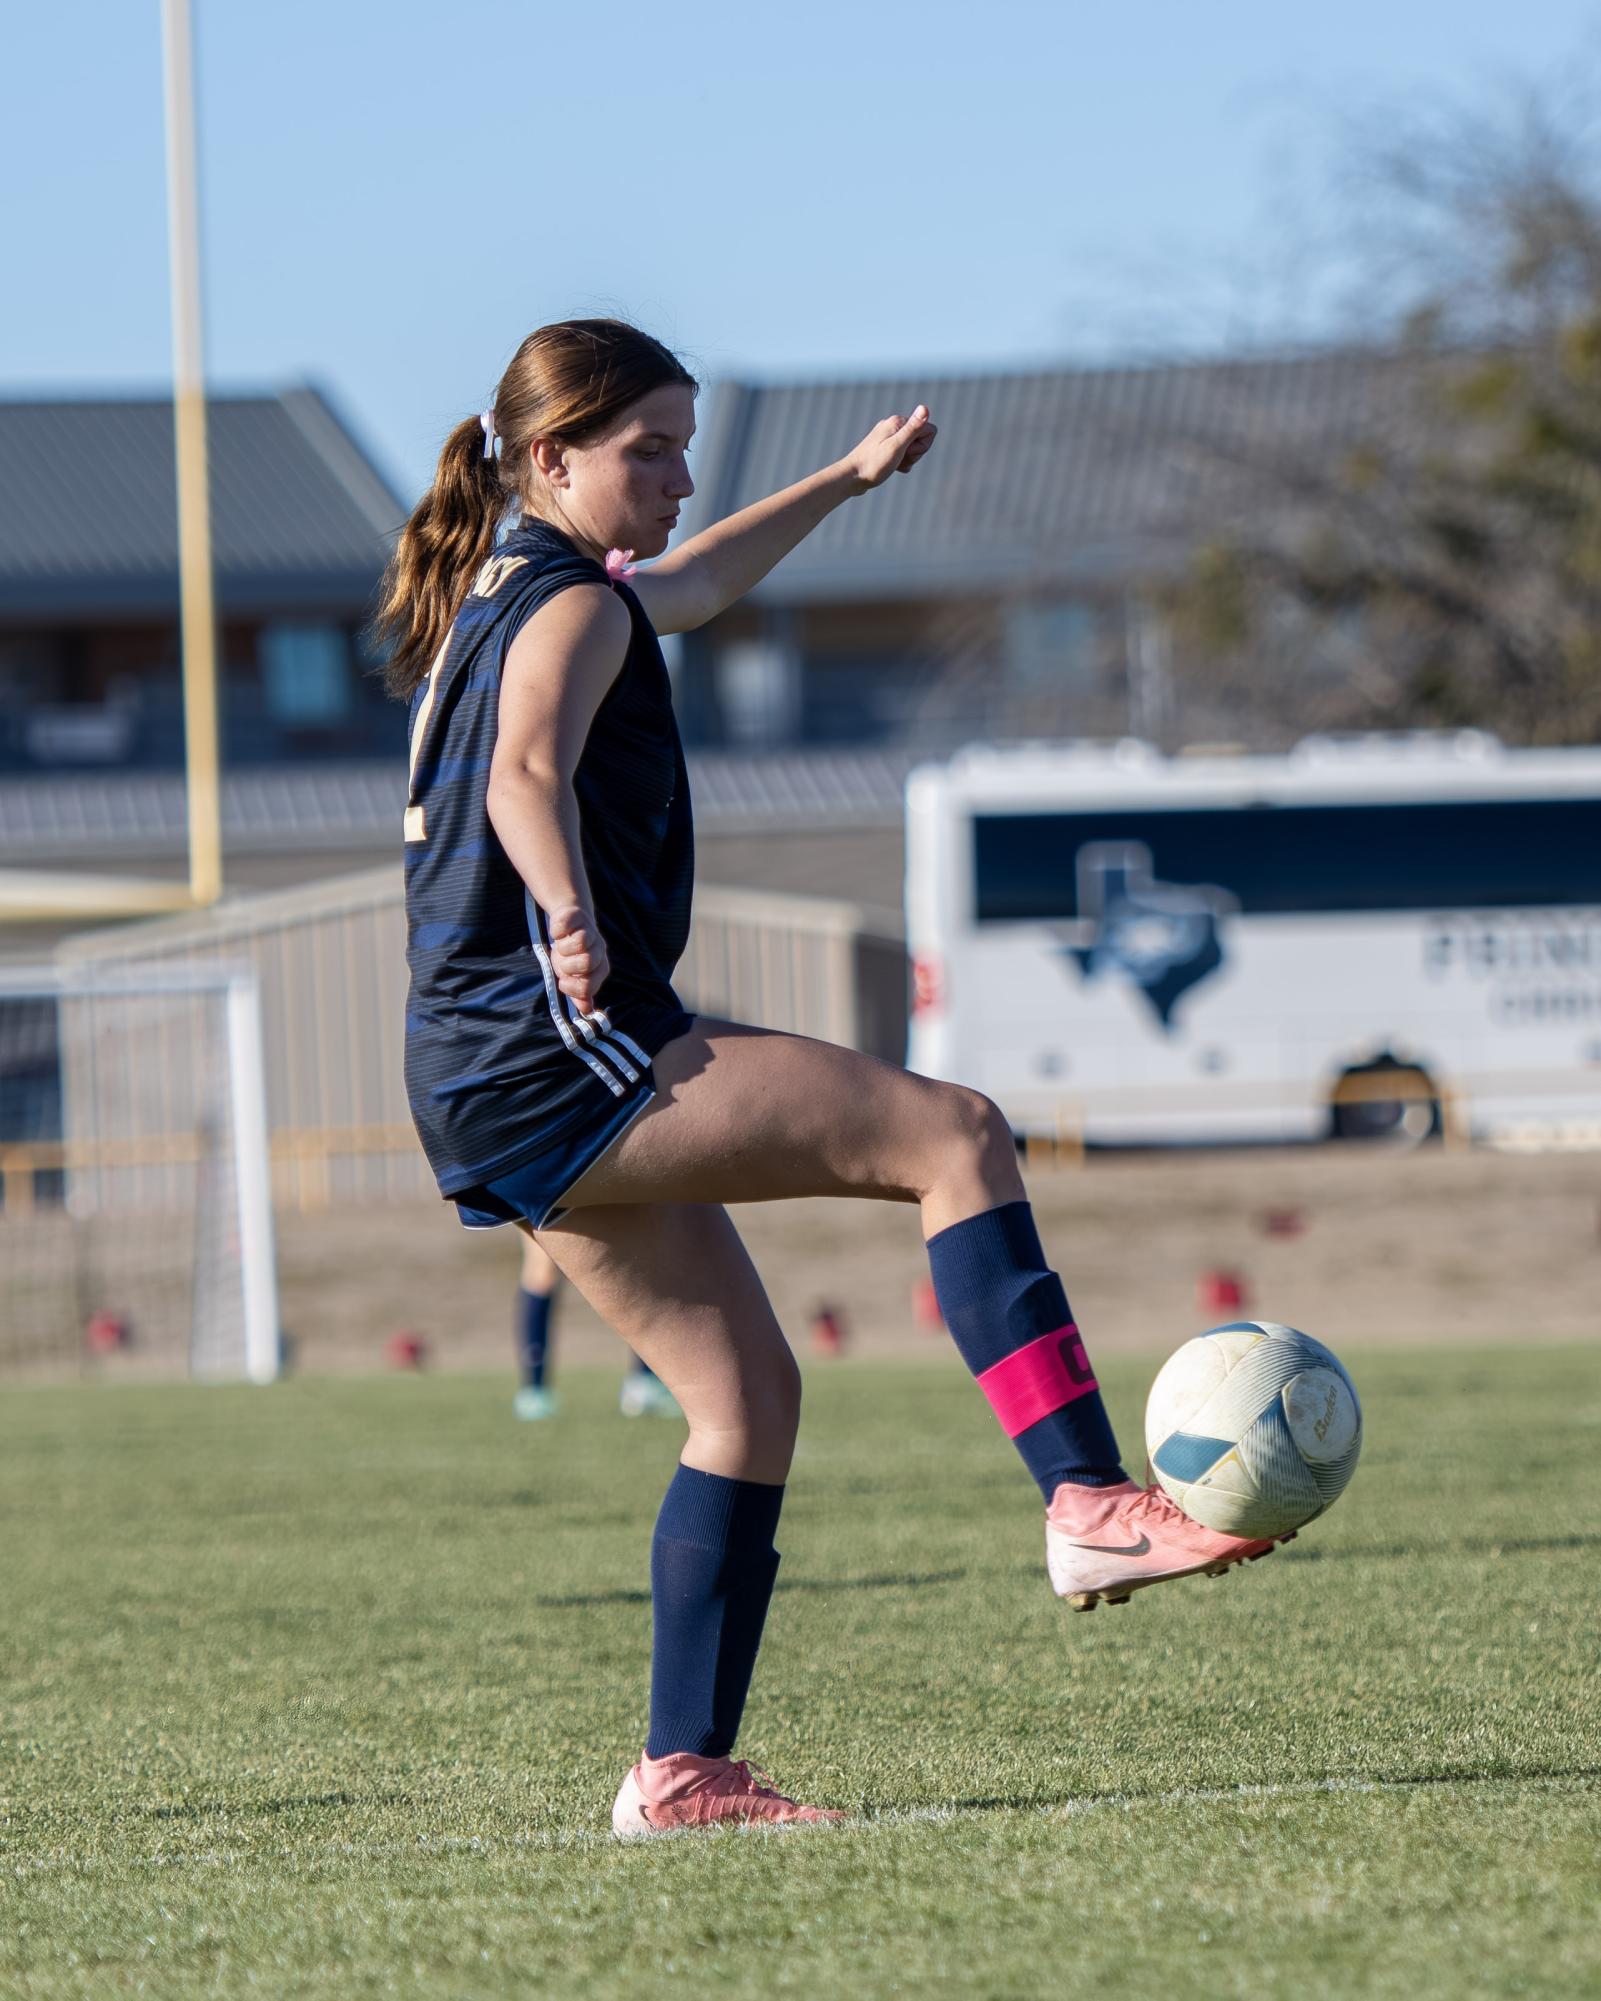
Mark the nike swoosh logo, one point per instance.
(1118, 1548)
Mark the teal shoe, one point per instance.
(532, 1401)
(646, 1396)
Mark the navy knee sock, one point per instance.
(712, 1565)
(1009, 1316)
(533, 1335)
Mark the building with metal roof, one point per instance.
(1001, 589)
(302, 524)
(999, 592)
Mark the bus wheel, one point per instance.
(1393, 1103)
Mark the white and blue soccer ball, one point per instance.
(1253, 1428)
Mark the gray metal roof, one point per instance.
(301, 517)
(1039, 478)
(266, 808)
(358, 806)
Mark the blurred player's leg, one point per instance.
(536, 1294)
(676, 1283)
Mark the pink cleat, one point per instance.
(1105, 1542)
(662, 1795)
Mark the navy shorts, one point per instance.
(533, 1190)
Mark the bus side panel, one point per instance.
(1491, 1009)
(1061, 1040)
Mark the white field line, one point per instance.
(1182, 1796)
(1179, 1796)
(890, 1817)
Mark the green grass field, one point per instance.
(325, 1691)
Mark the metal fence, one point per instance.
(330, 969)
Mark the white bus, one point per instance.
(1378, 934)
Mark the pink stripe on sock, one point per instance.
(1038, 1378)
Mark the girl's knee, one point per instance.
(785, 1392)
(771, 1400)
(972, 1163)
(774, 1409)
(752, 1420)
(754, 1440)
(981, 1129)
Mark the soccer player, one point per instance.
(557, 1083)
(643, 1393)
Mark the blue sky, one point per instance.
(394, 194)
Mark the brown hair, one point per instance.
(569, 382)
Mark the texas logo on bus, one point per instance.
(1163, 937)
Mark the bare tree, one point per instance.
(1426, 551)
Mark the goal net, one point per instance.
(135, 1203)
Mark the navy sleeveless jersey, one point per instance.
(499, 1062)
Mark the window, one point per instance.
(758, 688)
(1307, 858)
(306, 673)
(1051, 642)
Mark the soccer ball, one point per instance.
(1252, 1429)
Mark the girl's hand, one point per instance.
(578, 953)
(893, 445)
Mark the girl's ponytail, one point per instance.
(451, 532)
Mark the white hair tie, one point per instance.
(487, 419)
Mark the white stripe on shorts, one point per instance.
(631, 1046)
(601, 1039)
(564, 1027)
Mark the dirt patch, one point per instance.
(1393, 1250)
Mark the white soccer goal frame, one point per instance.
(247, 1104)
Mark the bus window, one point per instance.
(1277, 859)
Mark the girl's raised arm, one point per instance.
(714, 568)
